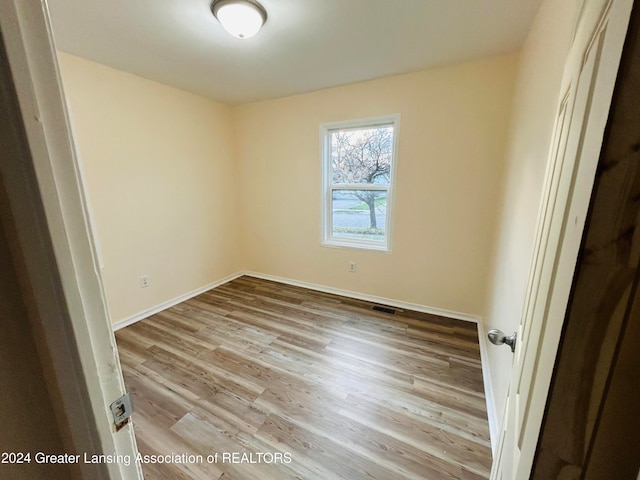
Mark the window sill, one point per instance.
(354, 245)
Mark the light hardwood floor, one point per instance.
(345, 392)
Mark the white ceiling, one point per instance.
(305, 45)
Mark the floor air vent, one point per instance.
(388, 310)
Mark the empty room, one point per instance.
(300, 239)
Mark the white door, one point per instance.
(587, 87)
(65, 279)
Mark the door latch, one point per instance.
(122, 409)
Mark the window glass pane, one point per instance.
(360, 214)
(362, 156)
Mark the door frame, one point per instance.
(56, 252)
(563, 211)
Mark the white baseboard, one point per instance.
(163, 306)
(492, 417)
(311, 286)
(369, 298)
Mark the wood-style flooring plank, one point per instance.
(340, 391)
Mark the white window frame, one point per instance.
(326, 129)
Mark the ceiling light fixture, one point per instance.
(241, 18)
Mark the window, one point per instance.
(358, 169)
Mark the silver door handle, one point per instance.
(497, 337)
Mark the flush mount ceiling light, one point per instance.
(241, 18)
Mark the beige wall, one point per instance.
(161, 178)
(535, 104)
(451, 148)
(169, 188)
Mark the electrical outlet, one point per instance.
(352, 267)
(144, 281)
